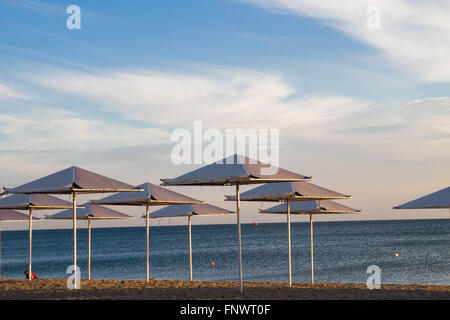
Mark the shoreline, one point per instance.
(56, 289)
(11, 227)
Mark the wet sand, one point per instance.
(56, 289)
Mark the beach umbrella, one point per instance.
(290, 192)
(10, 216)
(88, 213)
(190, 210)
(436, 200)
(311, 207)
(74, 181)
(151, 195)
(235, 170)
(32, 202)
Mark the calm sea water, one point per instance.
(343, 251)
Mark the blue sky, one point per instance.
(162, 34)
(365, 111)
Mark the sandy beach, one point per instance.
(56, 289)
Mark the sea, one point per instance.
(405, 251)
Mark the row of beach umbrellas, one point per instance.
(294, 191)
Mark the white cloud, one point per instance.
(35, 6)
(221, 97)
(414, 34)
(242, 98)
(7, 92)
(47, 129)
(415, 131)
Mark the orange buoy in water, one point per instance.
(212, 264)
(395, 254)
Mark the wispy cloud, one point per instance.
(47, 129)
(413, 35)
(220, 96)
(39, 7)
(7, 92)
(244, 98)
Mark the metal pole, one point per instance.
(190, 248)
(75, 239)
(311, 240)
(0, 250)
(30, 232)
(147, 223)
(89, 252)
(289, 240)
(238, 217)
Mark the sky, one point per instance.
(359, 91)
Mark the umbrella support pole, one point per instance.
(147, 225)
(75, 240)
(89, 248)
(0, 251)
(190, 247)
(311, 240)
(238, 217)
(289, 241)
(30, 233)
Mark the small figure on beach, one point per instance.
(33, 276)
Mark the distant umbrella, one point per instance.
(190, 210)
(436, 200)
(311, 208)
(151, 195)
(298, 191)
(90, 212)
(235, 170)
(10, 216)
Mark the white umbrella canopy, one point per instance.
(90, 212)
(293, 191)
(310, 208)
(73, 180)
(13, 216)
(70, 180)
(32, 202)
(151, 195)
(436, 200)
(189, 210)
(7, 215)
(235, 170)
